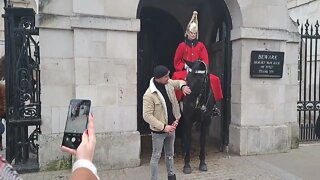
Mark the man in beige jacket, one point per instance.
(161, 110)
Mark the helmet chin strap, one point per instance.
(190, 36)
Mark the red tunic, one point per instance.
(188, 53)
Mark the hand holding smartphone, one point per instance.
(77, 121)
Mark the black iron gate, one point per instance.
(308, 105)
(22, 79)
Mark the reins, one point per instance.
(202, 96)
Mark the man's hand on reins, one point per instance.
(186, 90)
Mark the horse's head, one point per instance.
(198, 76)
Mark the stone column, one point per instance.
(263, 115)
(88, 50)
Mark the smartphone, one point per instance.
(77, 121)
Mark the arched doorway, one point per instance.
(162, 29)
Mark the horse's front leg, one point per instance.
(187, 142)
(203, 137)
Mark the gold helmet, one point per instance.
(193, 24)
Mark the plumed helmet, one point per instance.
(193, 24)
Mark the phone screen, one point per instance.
(76, 124)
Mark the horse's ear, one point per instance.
(203, 65)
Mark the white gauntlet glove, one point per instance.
(187, 67)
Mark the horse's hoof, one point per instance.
(203, 167)
(187, 169)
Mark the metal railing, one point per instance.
(308, 105)
(22, 81)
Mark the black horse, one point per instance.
(198, 108)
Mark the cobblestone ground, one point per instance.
(220, 166)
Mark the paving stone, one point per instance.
(220, 166)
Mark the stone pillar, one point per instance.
(263, 111)
(89, 50)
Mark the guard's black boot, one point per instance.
(172, 177)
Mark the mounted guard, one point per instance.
(189, 51)
(191, 64)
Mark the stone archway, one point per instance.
(215, 33)
(253, 122)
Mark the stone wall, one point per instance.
(304, 9)
(88, 50)
(263, 111)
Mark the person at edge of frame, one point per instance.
(83, 168)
